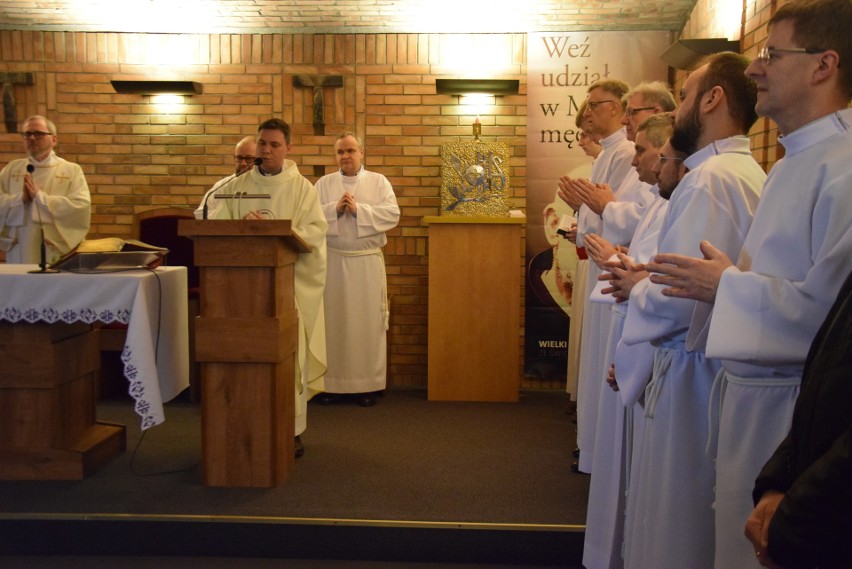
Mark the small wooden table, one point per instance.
(474, 308)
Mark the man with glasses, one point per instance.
(767, 308)
(619, 207)
(43, 198)
(620, 217)
(604, 111)
(244, 154)
(645, 100)
(614, 433)
(672, 522)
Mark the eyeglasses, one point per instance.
(245, 159)
(36, 134)
(662, 159)
(767, 54)
(630, 112)
(592, 104)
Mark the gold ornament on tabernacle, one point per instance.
(475, 179)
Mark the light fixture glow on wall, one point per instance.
(477, 99)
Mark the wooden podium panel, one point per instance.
(47, 403)
(246, 338)
(474, 308)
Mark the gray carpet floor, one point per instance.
(406, 460)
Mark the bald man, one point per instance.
(244, 155)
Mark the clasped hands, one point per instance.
(31, 190)
(347, 204)
(578, 191)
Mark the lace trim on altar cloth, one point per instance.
(107, 316)
(51, 315)
(137, 390)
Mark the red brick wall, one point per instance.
(138, 157)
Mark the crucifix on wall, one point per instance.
(318, 83)
(10, 113)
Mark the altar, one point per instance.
(49, 354)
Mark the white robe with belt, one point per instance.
(356, 304)
(62, 208)
(602, 547)
(672, 522)
(768, 309)
(612, 167)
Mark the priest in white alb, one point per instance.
(360, 208)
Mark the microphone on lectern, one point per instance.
(43, 264)
(257, 162)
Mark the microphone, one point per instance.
(43, 264)
(257, 162)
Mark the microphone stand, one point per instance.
(43, 268)
(257, 162)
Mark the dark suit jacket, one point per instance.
(813, 465)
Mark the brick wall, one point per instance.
(138, 155)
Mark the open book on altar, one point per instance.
(110, 254)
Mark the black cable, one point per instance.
(156, 356)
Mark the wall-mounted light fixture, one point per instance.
(685, 54)
(146, 87)
(477, 86)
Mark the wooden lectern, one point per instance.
(245, 340)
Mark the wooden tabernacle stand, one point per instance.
(474, 308)
(48, 429)
(245, 341)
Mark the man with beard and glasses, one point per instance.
(604, 535)
(767, 308)
(672, 523)
(633, 365)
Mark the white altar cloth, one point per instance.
(153, 304)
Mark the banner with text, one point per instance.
(560, 69)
